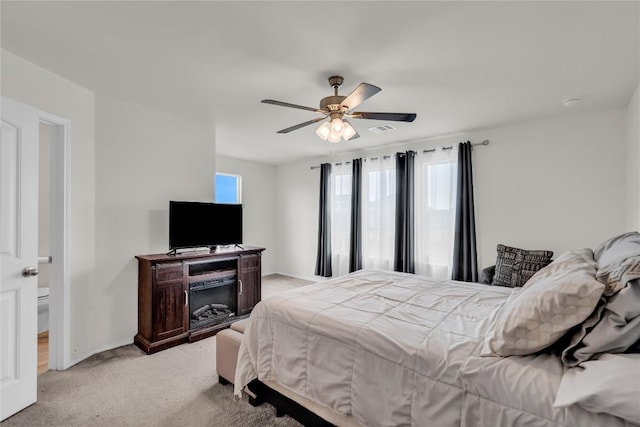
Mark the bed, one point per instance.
(383, 348)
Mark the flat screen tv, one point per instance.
(198, 224)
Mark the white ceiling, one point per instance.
(459, 65)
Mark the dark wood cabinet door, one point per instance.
(169, 302)
(249, 283)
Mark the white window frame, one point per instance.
(238, 187)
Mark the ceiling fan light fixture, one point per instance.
(348, 132)
(324, 131)
(336, 107)
(337, 125)
(335, 135)
(334, 138)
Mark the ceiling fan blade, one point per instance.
(360, 94)
(301, 125)
(395, 117)
(286, 104)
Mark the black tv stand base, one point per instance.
(198, 249)
(212, 249)
(221, 248)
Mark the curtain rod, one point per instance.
(485, 142)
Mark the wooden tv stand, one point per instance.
(165, 312)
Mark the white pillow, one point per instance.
(610, 384)
(557, 298)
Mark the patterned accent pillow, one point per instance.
(515, 266)
(557, 298)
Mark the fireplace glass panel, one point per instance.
(212, 302)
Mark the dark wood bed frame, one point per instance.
(285, 406)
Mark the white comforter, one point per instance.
(393, 349)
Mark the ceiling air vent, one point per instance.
(382, 128)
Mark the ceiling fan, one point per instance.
(337, 107)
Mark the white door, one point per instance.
(18, 251)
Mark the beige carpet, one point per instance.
(126, 387)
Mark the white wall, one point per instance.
(144, 159)
(556, 184)
(125, 163)
(633, 161)
(297, 218)
(33, 85)
(259, 200)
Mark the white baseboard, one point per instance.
(97, 350)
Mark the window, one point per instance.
(435, 199)
(378, 213)
(435, 204)
(340, 218)
(438, 180)
(341, 206)
(228, 188)
(343, 185)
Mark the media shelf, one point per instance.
(190, 296)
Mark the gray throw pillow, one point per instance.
(515, 266)
(614, 327)
(618, 261)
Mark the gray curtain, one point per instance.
(323, 260)
(465, 258)
(404, 230)
(355, 246)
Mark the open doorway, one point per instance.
(53, 283)
(47, 135)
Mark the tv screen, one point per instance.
(196, 224)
